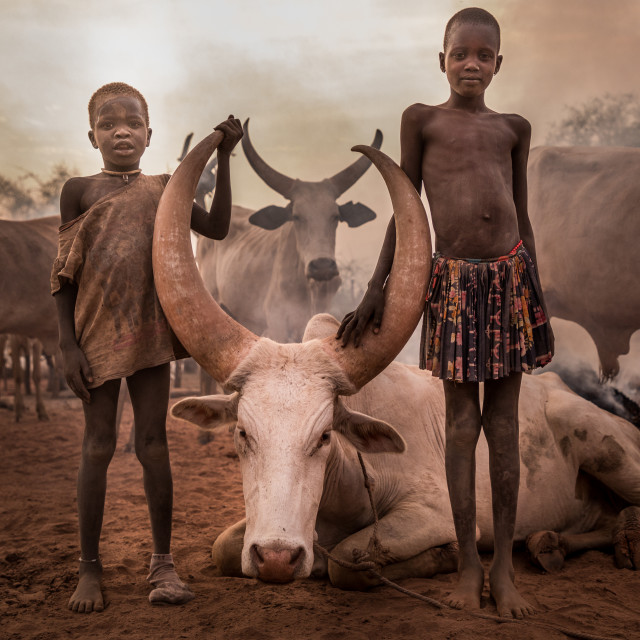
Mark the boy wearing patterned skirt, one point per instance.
(485, 318)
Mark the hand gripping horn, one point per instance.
(406, 286)
(216, 341)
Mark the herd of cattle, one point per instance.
(301, 411)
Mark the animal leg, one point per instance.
(436, 560)
(626, 538)
(177, 374)
(548, 549)
(36, 350)
(227, 550)
(3, 372)
(404, 550)
(18, 402)
(27, 366)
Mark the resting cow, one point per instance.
(297, 437)
(569, 450)
(584, 206)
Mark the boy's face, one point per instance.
(120, 133)
(471, 59)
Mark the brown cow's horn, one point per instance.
(406, 287)
(277, 181)
(349, 176)
(216, 341)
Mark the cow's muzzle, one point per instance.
(276, 565)
(322, 269)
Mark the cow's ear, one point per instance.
(271, 217)
(212, 413)
(356, 213)
(367, 434)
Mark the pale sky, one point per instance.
(315, 77)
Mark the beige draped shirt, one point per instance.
(106, 252)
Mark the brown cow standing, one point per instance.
(584, 205)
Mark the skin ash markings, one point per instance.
(609, 458)
(565, 446)
(581, 434)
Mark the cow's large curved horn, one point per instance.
(406, 287)
(214, 339)
(346, 178)
(277, 181)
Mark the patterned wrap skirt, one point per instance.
(484, 318)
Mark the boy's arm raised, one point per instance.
(215, 223)
(371, 308)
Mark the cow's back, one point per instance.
(237, 269)
(242, 270)
(27, 251)
(584, 206)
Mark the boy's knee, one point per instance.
(463, 432)
(99, 451)
(152, 451)
(500, 430)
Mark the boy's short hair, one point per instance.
(471, 15)
(114, 90)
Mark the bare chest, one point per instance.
(457, 141)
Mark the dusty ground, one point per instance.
(38, 553)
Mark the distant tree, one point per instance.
(20, 200)
(607, 121)
(15, 198)
(50, 188)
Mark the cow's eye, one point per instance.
(325, 438)
(242, 433)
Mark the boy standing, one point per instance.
(112, 327)
(485, 319)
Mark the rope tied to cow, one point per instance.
(367, 565)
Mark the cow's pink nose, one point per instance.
(276, 565)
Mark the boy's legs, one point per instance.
(500, 424)
(149, 391)
(463, 424)
(98, 446)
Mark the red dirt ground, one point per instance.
(39, 550)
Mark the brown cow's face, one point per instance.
(315, 216)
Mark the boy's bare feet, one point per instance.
(88, 596)
(168, 588)
(467, 593)
(509, 602)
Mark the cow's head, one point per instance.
(286, 403)
(312, 209)
(285, 414)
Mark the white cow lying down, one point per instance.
(302, 477)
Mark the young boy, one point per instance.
(112, 326)
(485, 318)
